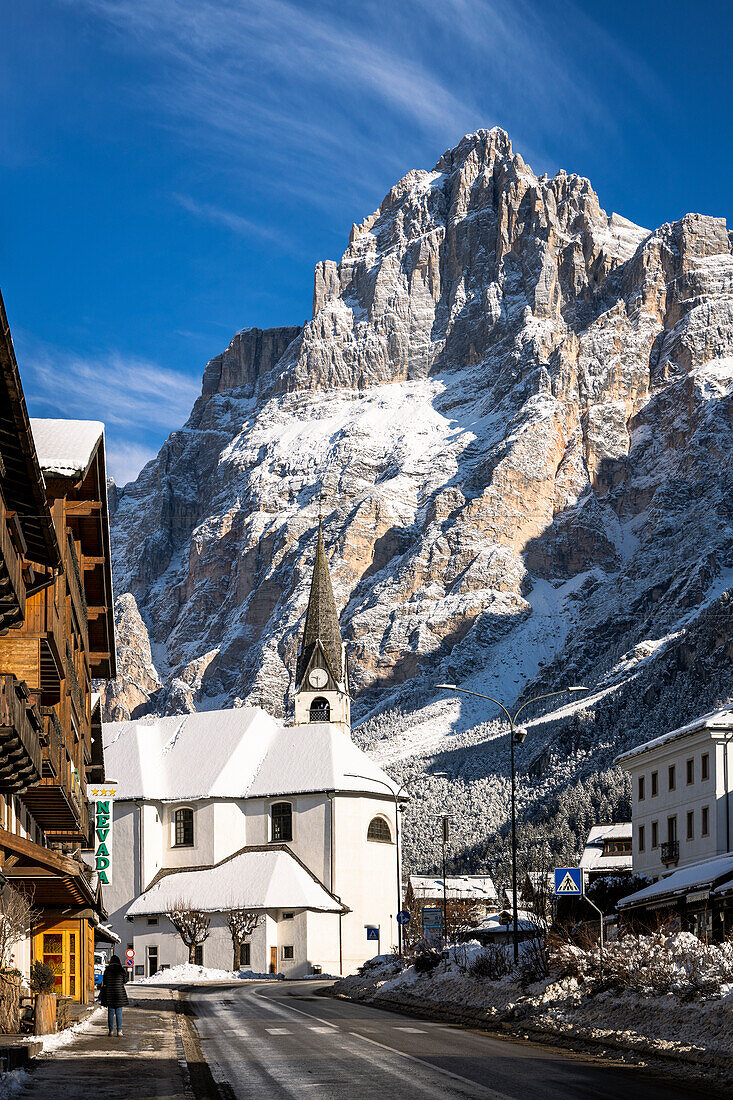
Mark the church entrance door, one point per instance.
(273, 960)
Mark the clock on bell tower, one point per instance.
(322, 674)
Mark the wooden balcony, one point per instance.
(20, 736)
(76, 591)
(12, 585)
(53, 743)
(58, 803)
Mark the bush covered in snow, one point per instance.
(653, 964)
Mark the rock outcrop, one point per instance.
(518, 412)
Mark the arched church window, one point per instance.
(379, 831)
(281, 816)
(183, 828)
(320, 710)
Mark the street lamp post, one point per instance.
(517, 736)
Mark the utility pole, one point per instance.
(517, 735)
(445, 891)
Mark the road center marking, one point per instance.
(413, 1030)
(277, 1031)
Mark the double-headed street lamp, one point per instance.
(517, 736)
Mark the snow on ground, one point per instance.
(14, 1083)
(666, 993)
(189, 972)
(52, 1043)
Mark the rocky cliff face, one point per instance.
(518, 410)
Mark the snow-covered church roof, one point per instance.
(238, 753)
(66, 447)
(268, 877)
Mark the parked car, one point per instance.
(100, 961)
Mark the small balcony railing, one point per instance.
(20, 736)
(670, 852)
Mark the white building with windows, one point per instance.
(682, 821)
(223, 810)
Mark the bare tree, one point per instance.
(191, 924)
(17, 917)
(241, 924)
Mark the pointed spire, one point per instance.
(321, 619)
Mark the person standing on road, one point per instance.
(113, 994)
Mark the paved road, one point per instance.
(275, 1040)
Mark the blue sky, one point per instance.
(172, 170)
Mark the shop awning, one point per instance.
(677, 885)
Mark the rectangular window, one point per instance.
(641, 838)
(288, 916)
(244, 955)
(691, 825)
(672, 829)
(655, 834)
(655, 784)
(152, 920)
(287, 953)
(705, 830)
(690, 772)
(671, 777)
(198, 954)
(641, 788)
(705, 766)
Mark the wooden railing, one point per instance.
(54, 736)
(12, 585)
(20, 736)
(76, 590)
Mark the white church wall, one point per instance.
(125, 866)
(229, 833)
(201, 852)
(323, 942)
(151, 846)
(365, 878)
(256, 821)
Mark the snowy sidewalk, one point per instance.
(147, 1061)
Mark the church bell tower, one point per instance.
(322, 673)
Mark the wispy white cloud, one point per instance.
(243, 227)
(110, 386)
(126, 460)
(138, 401)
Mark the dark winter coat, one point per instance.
(113, 993)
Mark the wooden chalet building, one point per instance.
(56, 636)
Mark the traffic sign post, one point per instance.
(568, 882)
(372, 933)
(130, 958)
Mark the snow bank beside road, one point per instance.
(189, 972)
(657, 995)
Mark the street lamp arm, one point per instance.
(465, 691)
(547, 695)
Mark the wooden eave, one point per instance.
(52, 879)
(22, 483)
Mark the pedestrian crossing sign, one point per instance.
(569, 882)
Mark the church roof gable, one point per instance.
(257, 877)
(238, 753)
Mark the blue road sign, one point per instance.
(372, 932)
(568, 882)
(403, 917)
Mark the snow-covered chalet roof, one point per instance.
(66, 447)
(268, 877)
(716, 719)
(593, 858)
(470, 887)
(677, 883)
(237, 753)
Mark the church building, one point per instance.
(231, 810)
